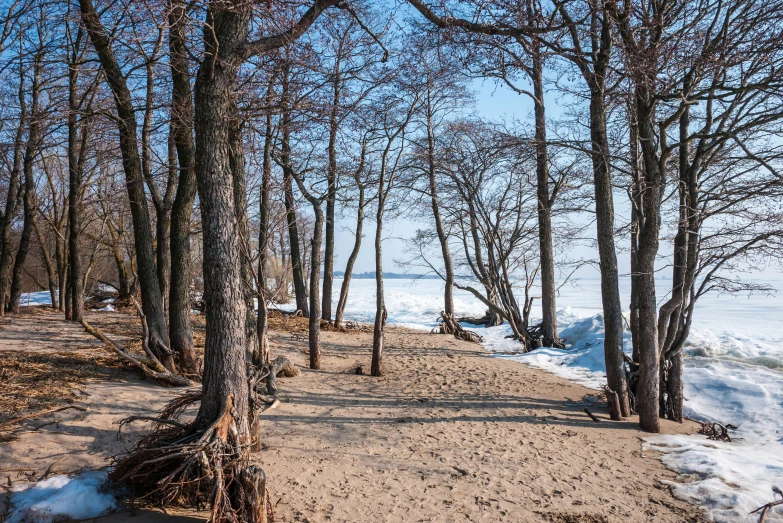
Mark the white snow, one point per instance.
(61, 498)
(30, 299)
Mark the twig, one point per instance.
(41, 413)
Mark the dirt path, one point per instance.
(448, 434)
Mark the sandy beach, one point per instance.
(447, 434)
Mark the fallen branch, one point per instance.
(41, 413)
(148, 366)
(591, 415)
(613, 401)
(766, 508)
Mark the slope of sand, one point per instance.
(447, 434)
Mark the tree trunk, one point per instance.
(610, 290)
(331, 196)
(448, 267)
(376, 367)
(548, 289)
(51, 271)
(314, 323)
(357, 244)
(181, 332)
(297, 269)
(151, 299)
(225, 374)
(237, 161)
(13, 200)
(30, 207)
(649, 355)
(261, 356)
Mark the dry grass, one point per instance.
(36, 382)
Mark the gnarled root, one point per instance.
(449, 325)
(186, 464)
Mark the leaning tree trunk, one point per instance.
(181, 332)
(357, 244)
(548, 289)
(610, 290)
(443, 239)
(151, 299)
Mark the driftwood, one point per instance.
(592, 416)
(614, 404)
(762, 510)
(149, 364)
(717, 431)
(37, 414)
(449, 325)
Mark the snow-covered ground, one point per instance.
(60, 497)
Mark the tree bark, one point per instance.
(13, 200)
(610, 289)
(331, 196)
(261, 355)
(30, 208)
(151, 299)
(376, 366)
(297, 269)
(357, 244)
(181, 332)
(448, 266)
(237, 160)
(548, 289)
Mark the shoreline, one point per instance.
(449, 432)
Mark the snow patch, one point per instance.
(61, 498)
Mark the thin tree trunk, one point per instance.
(448, 267)
(331, 196)
(548, 289)
(181, 332)
(151, 299)
(649, 356)
(610, 289)
(357, 244)
(13, 200)
(51, 272)
(261, 356)
(376, 367)
(30, 208)
(297, 269)
(314, 323)
(237, 161)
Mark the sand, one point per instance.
(447, 434)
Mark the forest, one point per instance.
(200, 159)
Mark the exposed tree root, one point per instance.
(148, 364)
(449, 325)
(186, 464)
